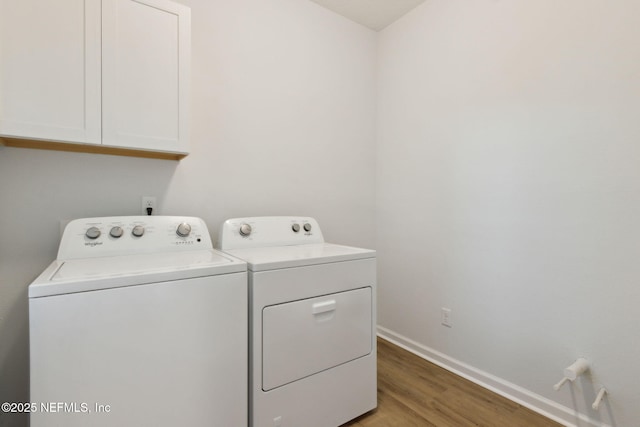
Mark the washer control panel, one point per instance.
(107, 236)
(256, 232)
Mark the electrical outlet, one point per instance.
(445, 318)
(148, 202)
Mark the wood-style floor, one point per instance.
(414, 392)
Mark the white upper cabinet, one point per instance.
(110, 73)
(50, 70)
(145, 74)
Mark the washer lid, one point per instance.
(89, 274)
(276, 257)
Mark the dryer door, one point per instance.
(305, 337)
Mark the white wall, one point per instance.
(509, 191)
(283, 123)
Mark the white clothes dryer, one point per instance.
(139, 322)
(312, 322)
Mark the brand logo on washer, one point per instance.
(93, 244)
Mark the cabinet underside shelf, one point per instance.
(87, 148)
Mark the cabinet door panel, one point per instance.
(145, 74)
(50, 70)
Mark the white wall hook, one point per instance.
(578, 367)
(596, 403)
(561, 383)
(573, 371)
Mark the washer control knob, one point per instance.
(295, 227)
(245, 230)
(116, 232)
(183, 229)
(93, 233)
(138, 231)
(307, 227)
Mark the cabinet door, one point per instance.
(50, 70)
(145, 80)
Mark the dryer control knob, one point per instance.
(116, 232)
(183, 229)
(245, 230)
(295, 227)
(138, 231)
(307, 227)
(93, 233)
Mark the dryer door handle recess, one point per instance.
(323, 307)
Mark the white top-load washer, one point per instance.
(312, 322)
(139, 322)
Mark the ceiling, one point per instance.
(375, 14)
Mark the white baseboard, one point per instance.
(524, 397)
